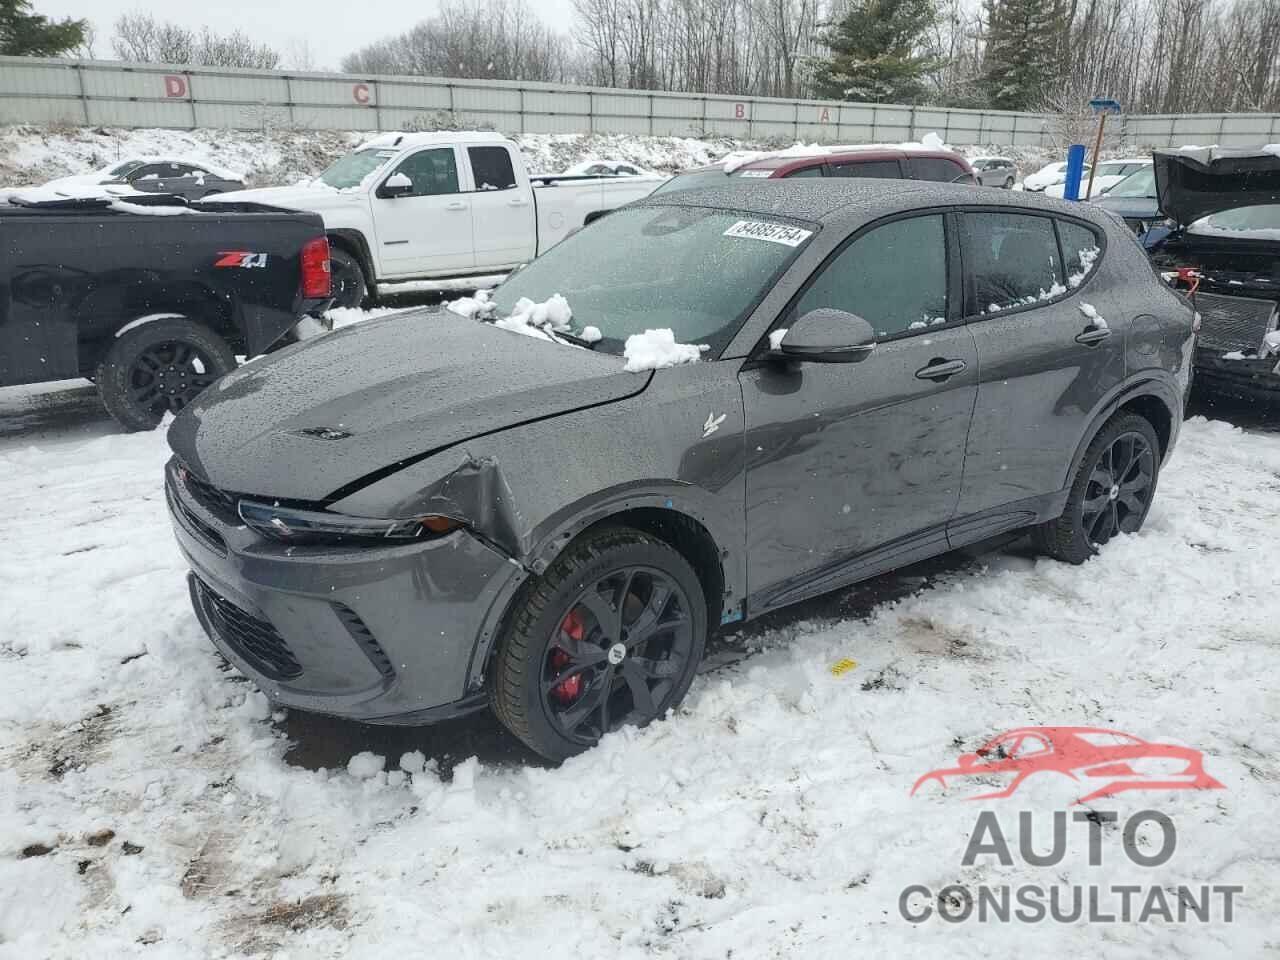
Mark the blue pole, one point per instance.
(1075, 171)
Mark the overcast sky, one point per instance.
(332, 28)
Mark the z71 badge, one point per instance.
(241, 258)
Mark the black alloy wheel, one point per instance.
(346, 280)
(617, 654)
(168, 375)
(1111, 492)
(610, 635)
(1119, 490)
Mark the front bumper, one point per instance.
(379, 634)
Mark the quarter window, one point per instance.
(433, 172)
(805, 172)
(894, 277)
(1080, 250)
(1013, 259)
(935, 168)
(491, 168)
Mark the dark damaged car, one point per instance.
(1224, 208)
(423, 515)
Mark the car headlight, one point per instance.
(292, 525)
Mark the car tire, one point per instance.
(158, 368)
(574, 663)
(347, 279)
(1008, 184)
(1110, 494)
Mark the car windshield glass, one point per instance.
(351, 170)
(694, 180)
(693, 270)
(1261, 222)
(121, 169)
(1140, 184)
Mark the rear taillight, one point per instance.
(315, 269)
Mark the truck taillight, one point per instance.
(315, 269)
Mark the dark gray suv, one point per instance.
(426, 514)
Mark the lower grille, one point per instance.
(1234, 323)
(365, 638)
(255, 640)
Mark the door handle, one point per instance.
(455, 205)
(1093, 336)
(940, 370)
(518, 202)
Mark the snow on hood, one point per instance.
(1194, 182)
(402, 385)
(655, 349)
(74, 191)
(307, 197)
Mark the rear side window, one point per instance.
(491, 168)
(1080, 249)
(884, 169)
(936, 168)
(1013, 260)
(894, 277)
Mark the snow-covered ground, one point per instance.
(32, 155)
(151, 805)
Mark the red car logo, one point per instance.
(1085, 754)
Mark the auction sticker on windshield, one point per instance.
(773, 232)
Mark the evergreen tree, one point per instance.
(875, 52)
(26, 34)
(1021, 60)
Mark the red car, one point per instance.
(1085, 754)
(881, 162)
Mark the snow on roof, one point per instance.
(403, 140)
(740, 158)
(215, 169)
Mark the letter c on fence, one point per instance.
(175, 86)
(360, 93)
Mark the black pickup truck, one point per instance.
(150, 298)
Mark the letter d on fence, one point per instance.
(175, 86)
(1075, 171)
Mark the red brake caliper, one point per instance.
(566, 691)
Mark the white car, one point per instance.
(439, 207)
(1105, 176)
(1047, 176)
(606, 168)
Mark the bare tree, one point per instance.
(139, 37)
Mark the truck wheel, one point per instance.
(159, 368)
(610, 635)
(1111, 493)
(346, 279)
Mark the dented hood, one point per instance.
(1195, 182)
(322, 416)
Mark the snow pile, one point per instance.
(478, 304)
(591, 334)
(1090, 311)
(1088, 256)
(146, 797)
(776, 337)
(541, 320)
(655, 349)
(365, 765)
(1271, 344)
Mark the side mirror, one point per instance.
(827, 336)
(396, 185)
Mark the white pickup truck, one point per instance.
(438, 206)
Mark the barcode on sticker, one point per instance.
(773, 232)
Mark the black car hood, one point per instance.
(315, 418)
(1194, 183)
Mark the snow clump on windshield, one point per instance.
(655, 349)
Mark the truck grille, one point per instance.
(257, 641)
(1234, 323)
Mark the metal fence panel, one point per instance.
(39, 90)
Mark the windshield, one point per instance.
(693, 180)
(352, 169)
(121, 169)
(694, 270)
(1261, 222)
(1140, 184)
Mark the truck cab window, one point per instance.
(433, 172)
(491, 168)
